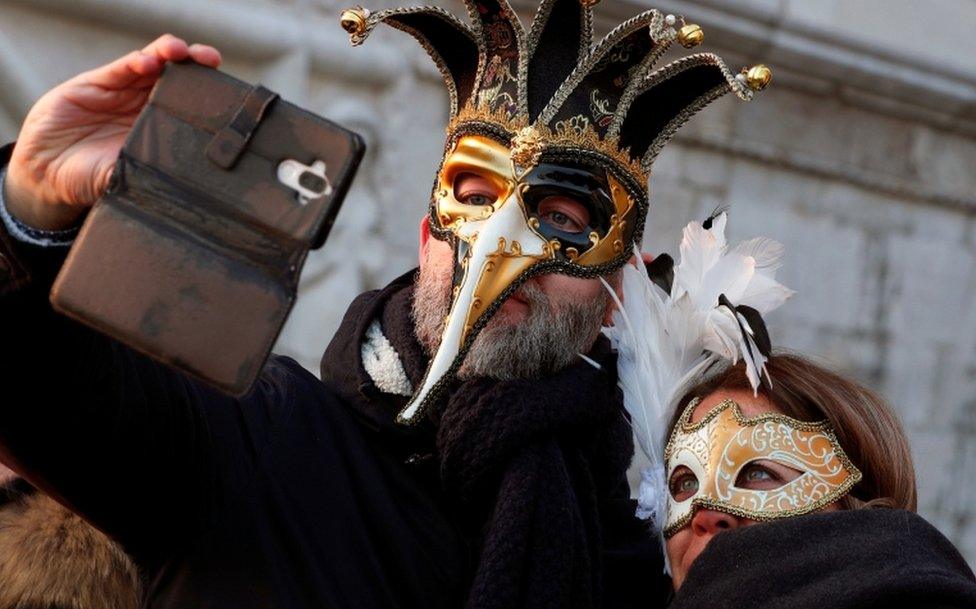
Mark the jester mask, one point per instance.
(545, 113)
(719, 448)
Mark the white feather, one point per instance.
(767, 253)
(664, 341)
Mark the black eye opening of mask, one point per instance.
(586, 186)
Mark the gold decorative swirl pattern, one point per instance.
(718, 447)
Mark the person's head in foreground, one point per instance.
(543, 187)
(812, 440)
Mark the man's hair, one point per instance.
(865, 425)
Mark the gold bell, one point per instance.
(758, 77)
(353, 20)
(691, 35)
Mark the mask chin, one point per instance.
(493, 257)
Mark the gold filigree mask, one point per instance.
(499, 243)
(723, 443)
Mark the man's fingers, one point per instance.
(139, 68)
(168, 48)
(205, 55)
(124, 71)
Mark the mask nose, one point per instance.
(501, 251)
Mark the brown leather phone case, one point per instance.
(194, 253)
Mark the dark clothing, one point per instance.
(306, 493)
(858, 559)
(303, 493)
(538, 460)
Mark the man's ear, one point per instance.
(424, 237)
(645, 257)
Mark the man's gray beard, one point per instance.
(543, 342)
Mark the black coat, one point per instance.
(860, 559)
(304, 493)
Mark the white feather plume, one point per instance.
(665, 340)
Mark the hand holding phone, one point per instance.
(193, 254)
(70, 139)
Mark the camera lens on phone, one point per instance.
(312, 182)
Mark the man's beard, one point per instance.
(544, 341)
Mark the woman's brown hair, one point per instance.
(866, 427)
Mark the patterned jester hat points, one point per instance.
(605, 103)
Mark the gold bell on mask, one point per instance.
(353, 20)
(758, 77)
(691, 35)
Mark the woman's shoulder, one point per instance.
(852, 558)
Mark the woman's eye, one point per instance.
(683, 484)
(757, 476)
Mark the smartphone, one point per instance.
(193, 255)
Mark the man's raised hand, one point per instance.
(69, 142)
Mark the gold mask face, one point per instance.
(718, 447)
(501, 241)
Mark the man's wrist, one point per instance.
(26, 229)
(55, 218)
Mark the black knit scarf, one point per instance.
(527, 463)
(526, 460)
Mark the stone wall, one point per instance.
(860, 158)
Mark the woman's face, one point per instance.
(686, 544)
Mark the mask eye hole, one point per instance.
(473, 189)
(564, 214)
(683, 483)
(763, 474)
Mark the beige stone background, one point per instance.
(861, 158)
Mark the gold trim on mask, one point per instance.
(621, 229)
(491, 160)
(500, 243)
(501, 270)
(577, 133)
(717, 447)
(479, 155)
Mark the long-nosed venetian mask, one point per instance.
(547, 217)
(718, 449)
(541, 111)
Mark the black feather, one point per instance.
(661, 272)
(759, 332)
(718, 211)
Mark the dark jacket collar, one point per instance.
(345, 375)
